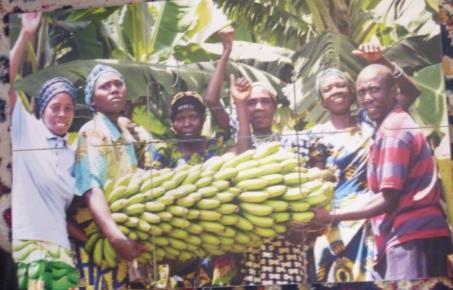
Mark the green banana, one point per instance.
(256, 209)
(227, 208)
(209, 215)
(253, 196)
(259, 221)
(208, 204)
(277, 205)
(134, 209)
(154, 206)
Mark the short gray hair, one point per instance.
(267, 88)
(322, 76)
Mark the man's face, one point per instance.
(375, 94)
(109, 94)
(336, 95)
(188, 124)
(261, 108)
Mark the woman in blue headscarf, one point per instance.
(43, 186)
(104, 151)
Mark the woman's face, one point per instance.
(58, 114)
(109, 95)
(261, 108)
(336, 95)
(188, 123)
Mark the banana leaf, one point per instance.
(334, 50)
(149, 86)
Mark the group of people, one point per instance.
(386, 222)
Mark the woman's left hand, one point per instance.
(371, 52)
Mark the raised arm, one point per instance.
(30, 23)
(212, 95)
(408, 90)
(240, 91)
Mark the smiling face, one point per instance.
(336, 94)
(109, 95)
(58, 114)
(188, 124)
(261, 107)
(376, 92)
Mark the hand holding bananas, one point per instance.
(227, 204)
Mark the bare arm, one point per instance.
(30, 23)
(383, 202)
(408, 90)
(240, 91)
(212, 95)
(75, 232)
(100, 210)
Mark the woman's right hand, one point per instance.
(226, 35)
(240, 89)
(127, 248)
(30, 22)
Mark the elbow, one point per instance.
(211, 102)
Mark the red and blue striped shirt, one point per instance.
(401, 160)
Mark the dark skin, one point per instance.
(408, 91)
(375, 90)
(188, 125)
(212, 95)
(30, 24)
(376, 77)
(192, 142)
(109, 98)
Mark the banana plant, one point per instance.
(293, 23)
(170, 46)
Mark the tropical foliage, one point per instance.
(164, 47)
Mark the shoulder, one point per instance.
(398, 119)
(87, 128)
(400, 125)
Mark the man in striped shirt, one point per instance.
(410, 225)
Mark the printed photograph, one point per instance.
(212, 143)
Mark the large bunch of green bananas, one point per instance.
(227, 204)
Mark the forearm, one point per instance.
(212, 95)
(408, 90)
(375, 206)
(75, 232)
(243, 139)
(16, 58)
(100, 211)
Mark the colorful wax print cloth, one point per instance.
(346, 251)
(104, 151)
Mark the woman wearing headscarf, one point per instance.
(346, 251)
(104, 152)
(43, 186)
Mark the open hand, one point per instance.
(226, 35)
(31, 21)
(240, 88)
(371, 52)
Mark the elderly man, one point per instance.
(409, 223)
